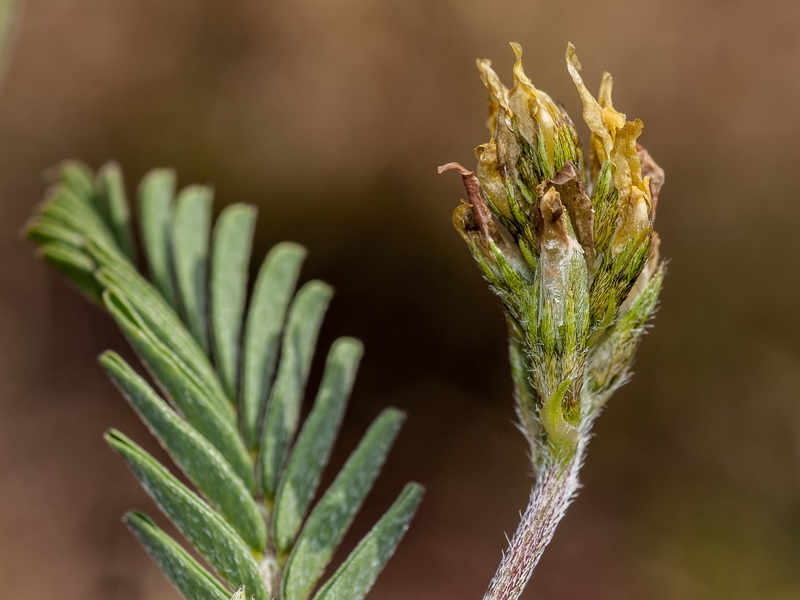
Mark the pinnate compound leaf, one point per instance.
(358, 573)
(201, 462)
(272, 294)
(219, 544)
(185, 573)
(334, 513)
(191, 309)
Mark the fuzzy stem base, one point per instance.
(556, 486)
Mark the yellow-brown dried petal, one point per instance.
(491, 179)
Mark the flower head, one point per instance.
(567, 242)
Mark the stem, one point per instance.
(556, 486)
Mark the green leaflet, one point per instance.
(333, 514)
(158, 315)
(44, 230)
(78, 178)
(78, 267)
(113, 206)
(201, 462)
(185, 573)
(67, 209)
(313, 447)
(355, 577)
(230, 257)
(181, 386)
(190, 234)
(204, 528)
(283, 410)
(155, 218)
(265, 317)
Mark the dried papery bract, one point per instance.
(576, 267)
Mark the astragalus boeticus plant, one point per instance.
(566, 241)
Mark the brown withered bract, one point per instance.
(480, 212)
(579, 205)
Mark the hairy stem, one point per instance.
(556, 486)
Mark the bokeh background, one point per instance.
(331, 117)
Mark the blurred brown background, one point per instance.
(331, 117)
